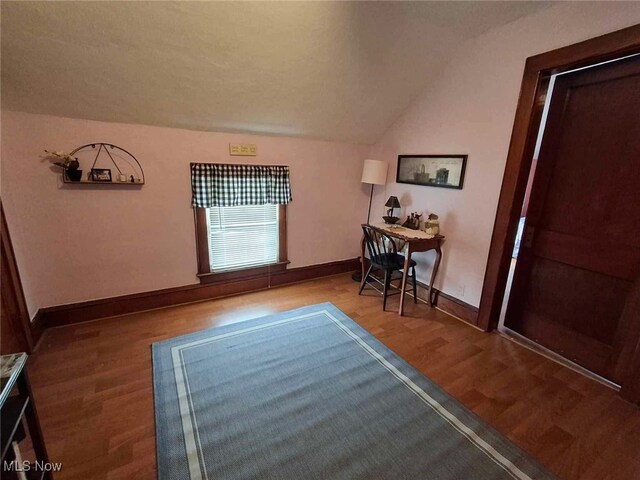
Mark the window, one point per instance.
(238, 242)
(242, 237)
(241, 220)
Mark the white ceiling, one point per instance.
(332, 70)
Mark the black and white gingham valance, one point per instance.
(224, 185)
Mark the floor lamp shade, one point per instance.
(374, 172)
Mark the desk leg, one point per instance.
(433, 275)
(405, 274)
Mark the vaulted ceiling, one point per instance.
(332, 70)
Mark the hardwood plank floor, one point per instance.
(93, 385)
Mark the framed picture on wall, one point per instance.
(101, 174)
(446, 171)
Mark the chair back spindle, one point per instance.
(379, 245)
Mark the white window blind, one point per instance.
(242, 237)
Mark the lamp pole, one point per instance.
(370, 198)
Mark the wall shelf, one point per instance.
(65, 179)
(126, 166)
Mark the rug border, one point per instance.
(528, 465)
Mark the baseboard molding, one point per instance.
(448, 304)
(49, 317)
(57, 316)
(445, 302)
(451, 305)
(457, 308)
(37, 329)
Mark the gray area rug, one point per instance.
(309, 394)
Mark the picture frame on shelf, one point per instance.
(444, 171)
(101, 175)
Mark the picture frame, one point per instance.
(101, 175)
(444, 171)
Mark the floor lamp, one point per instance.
(374, 172)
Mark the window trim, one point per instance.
(202, 251)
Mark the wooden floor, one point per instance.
(92, 384)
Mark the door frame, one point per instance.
(30, 332)
(519, 158)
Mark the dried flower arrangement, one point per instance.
(68, 163)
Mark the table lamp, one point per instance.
(392, 203)
(375, 173)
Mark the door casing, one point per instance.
(525, 128)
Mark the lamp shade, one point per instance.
(392, 203)
(374, 172)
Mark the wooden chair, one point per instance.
(384, 256)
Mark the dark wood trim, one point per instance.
(138, 302)
(631, 386)
(13, 293)
(282, 233)
(537, 68)
(244, 274)
(37, 329)
(442, 301)
(449, 304)
(588, 52)
(301, 274)
(202, 242)
(628, 336)
(456, 307)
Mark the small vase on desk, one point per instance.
(432, 229)
(432, 225)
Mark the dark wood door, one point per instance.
(578, 269)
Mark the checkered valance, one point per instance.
(224, 185)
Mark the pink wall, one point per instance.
(82, 243)
(469, 108)
(76, 244)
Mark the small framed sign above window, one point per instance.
(243, 149)
(446, 171)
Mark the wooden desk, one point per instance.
(415, 241)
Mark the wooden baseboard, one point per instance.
(37, 328)
(451, 305)
(456, 307)
(301, 274)
(447, 303)
(110, 307)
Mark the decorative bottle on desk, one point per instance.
(432, 225)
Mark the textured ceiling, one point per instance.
(331, 70)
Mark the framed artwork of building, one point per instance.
(446, 171)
